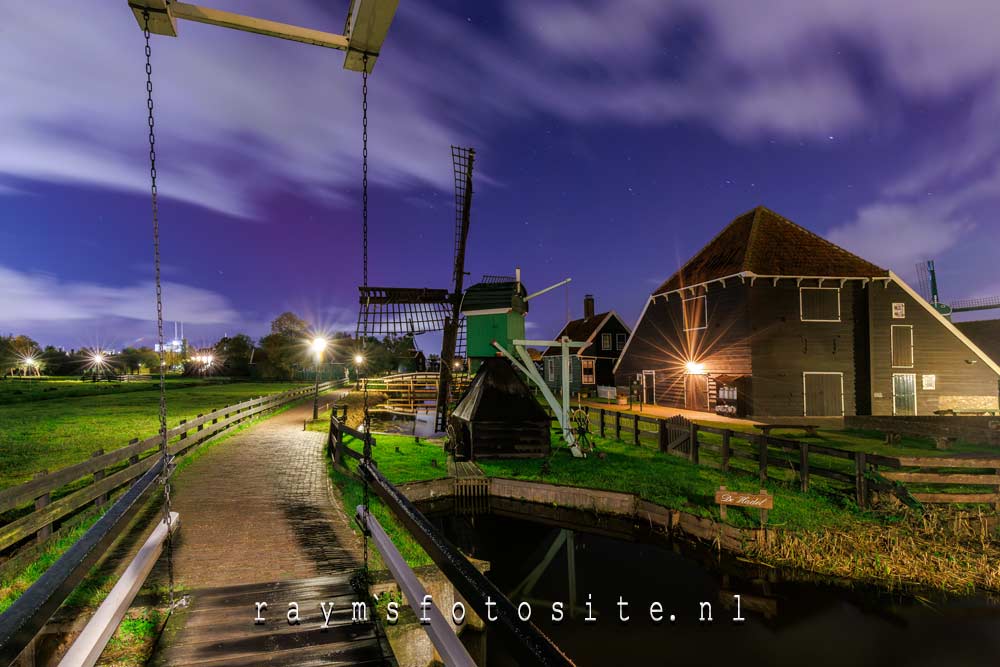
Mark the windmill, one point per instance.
(927, 277)
(391, 311)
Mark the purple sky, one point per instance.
(614, 139)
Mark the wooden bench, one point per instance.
(766, 429)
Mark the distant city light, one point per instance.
(97, 359)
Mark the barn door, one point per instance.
(696, 392)
(904, 394)
(649, 387)
(824, 394)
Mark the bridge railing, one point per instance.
(52, 496)
(522, 638)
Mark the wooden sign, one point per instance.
(762, 501)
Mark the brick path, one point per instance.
(259, 507)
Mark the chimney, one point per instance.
(588, 306)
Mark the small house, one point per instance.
(770, 319)
(593, 365)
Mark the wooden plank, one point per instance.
(956, 497)
(726, 451)
(941, 478)
(948, 462)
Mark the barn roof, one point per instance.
(761, 242)
(985, 334)
(583, 329)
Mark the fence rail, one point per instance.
(101, 475)
(860, 473)
(412, 391)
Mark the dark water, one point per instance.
(789, 620)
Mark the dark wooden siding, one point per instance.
(936, 351)
(785, 347)
(660, 343)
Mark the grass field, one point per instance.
(24, 390)
(51, 434)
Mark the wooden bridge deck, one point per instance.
(218, 629)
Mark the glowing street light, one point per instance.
(318, 346)
(358, 359)
(694, 368)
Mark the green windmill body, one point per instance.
(494, 311)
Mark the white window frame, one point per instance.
(704, 312)
(916, 402)
(805, 405)
(621, 340)
(902, 310)
(550, 369)
(583, 371)
(606, 342)
(892, 345)
(652, 375)
(802, 317)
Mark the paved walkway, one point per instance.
(260, 522)
(259, 507)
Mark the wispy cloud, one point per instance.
(36, 297)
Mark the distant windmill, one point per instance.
(927, 278)
(393, 311)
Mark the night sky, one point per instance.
(614, 139)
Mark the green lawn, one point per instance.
(23, 390)
(675, 482)
(52, 434)
(412, 462)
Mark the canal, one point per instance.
(790, 619)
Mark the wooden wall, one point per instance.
(660, 343)
(937, 351)
(785, 347)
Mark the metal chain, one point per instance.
(364, 252)
(164, 454)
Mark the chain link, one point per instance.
(164, 454)
(364, 253)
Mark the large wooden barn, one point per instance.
(771, 320)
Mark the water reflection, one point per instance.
(789, 620)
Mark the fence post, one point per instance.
(41, 502)
(804, 466)
(635, 430)
(618, 425)
(201, 425)
(693, 442)
(726, 434)
(215, 419)
(861, 483)
(662, 424)
(602, 422)
(98, 476)
(184, 434)
(762, 457)
(132, 460)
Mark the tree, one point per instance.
(234, 354)
(285, 348)
(130, 360)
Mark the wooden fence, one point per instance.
(857, 473)
(54, 496)
(409, 392)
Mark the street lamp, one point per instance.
(318, 345)
(359, 360)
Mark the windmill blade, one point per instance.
(924, 281)
(392, 311)
(462, 160)
(982, 303)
